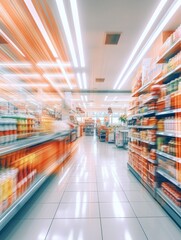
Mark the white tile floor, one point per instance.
(94, 197)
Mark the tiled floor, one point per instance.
(94, 197)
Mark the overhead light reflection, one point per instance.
(12, 43)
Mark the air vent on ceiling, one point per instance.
(2, 40)
(112, 38)
(100, 80)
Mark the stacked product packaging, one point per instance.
(155, 125)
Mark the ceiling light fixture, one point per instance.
(86, 98)
(53, 85)
(63, 16)
(39, 23)
(75, 15)
(79, 80)
(64, 73)
(12, 43)
(59, 75)
(175, 6)
(22, 75)
(84, 105)
(15, 64)
(52, 64)
(141, 39)
(84, 80)
(24, 85)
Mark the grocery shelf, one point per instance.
(173, 49)
(168, 177)
(143, 114)
(169, 112)
(165, 202)
(166, 76)
(21, 144)
(153, 173)
(137, 175)
(169, 134)
(148, 100)
(133, 150)
(150, 160)
(169, 206)
(143, 127)
(141, 140)
(142, 89)
(176, 159)
(19, 203)
(132, 107)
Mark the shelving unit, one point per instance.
(168, 177)
(164, 78)
(143, 127)
(64, 149)
(167, 111)
(173, 49)
(169, 134)
(169, 156)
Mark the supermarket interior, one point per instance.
(90, 120)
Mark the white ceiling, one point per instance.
(97, 17)
(105, 61)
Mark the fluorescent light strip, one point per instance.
(169, 15)
(84, 105)
(64, 73)
(24, 85)
(84, 80)
(12, 43)
(79, 80)
(141, 39)
(22, 75)
(75, 15)
(86, 98)
(105, 98)
(53, 85)
(15, 64)
(63, 16)
(59, 75)
(39, 23)
(52, 64)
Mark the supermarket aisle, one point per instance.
(93, 197)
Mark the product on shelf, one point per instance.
(21, 168)
(8, 187)
(172, 192)
(155, 152)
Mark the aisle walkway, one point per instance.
(94, 197)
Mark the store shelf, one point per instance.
(21, 144)
(173, 210)
(141, 140)
(177, 70)
(142, 114)
(137, 175)
(173, 49)
(132, 107)
(168, 177)
(150, 160)
(142, 127)
(169, 112)
(131, 149)
(166, 155)
(169, 134)
(148, 100)
(142, 89)
(6, 216)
